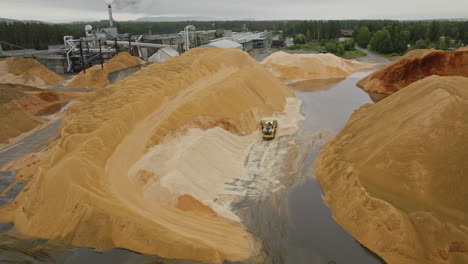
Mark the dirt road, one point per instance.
(372, 57)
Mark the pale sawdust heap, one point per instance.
(26, 72)
(216, 154)
(310, 66)
(86, 181)
(396, 178)
(96, 76)
(414, 66)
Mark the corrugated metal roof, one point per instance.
(170, 51)
(225, 44)
(163, 54)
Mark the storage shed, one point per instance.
(163, 55)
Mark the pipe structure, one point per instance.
(100, 54)
(82, 58)
(187, 30)
(115, 45)
(130, 45)
(141, 44)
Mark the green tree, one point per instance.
(434, 31)
(418, 32)
(300, 39)
(331, 47)
(308, 36)
(362, 36)
(465, 39)
(349, 45)
(340, 50)
(400, 41)
(382, 42)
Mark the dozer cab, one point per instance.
(269, 128)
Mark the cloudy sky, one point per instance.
(73, 10)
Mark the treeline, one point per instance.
(385, 36)
(38, 35)
(398, 37)
(138, 28)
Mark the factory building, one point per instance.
(250, 40)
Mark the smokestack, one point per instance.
(111, 21)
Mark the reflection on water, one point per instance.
(315, 85)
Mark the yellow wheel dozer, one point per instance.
(269, 128)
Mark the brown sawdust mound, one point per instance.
(31, 68)
(414, 66)
(188, 203)
(395, 177)
(85, 181)
(96, 77)
(21, 105)
(15, 121)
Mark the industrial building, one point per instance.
(250, 40)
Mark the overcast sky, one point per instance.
(74, 10)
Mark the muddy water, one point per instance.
(297, 227)
(311, 225)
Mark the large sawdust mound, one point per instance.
(396, 175)
(21, 106)
(26, 72)
(96, 77)
(84, 194)
(414, 66)
(310, 66)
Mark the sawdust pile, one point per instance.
(96, 77)
(414, 66)
(104, 199)
(310, 66)
(15, 122)
(122, 61)
(21, 108)
(26, 72)
(396, 178)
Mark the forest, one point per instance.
(383, 36)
